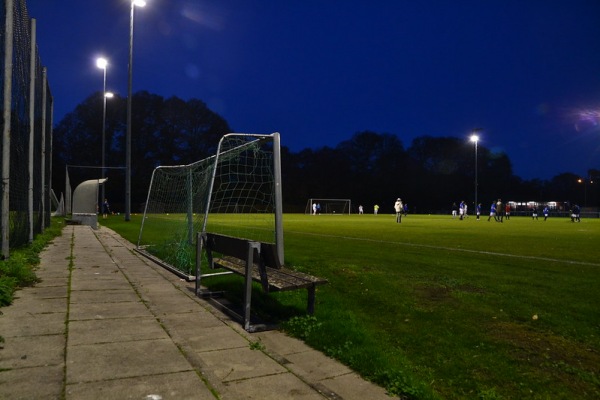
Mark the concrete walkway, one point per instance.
(117, 326)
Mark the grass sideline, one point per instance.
(18, 270)
(438, 308)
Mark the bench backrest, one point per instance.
(238, 248)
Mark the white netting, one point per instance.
(241, 194)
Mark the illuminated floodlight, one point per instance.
(139, 3)
(474, 138)
(101, 63)
(109, 95)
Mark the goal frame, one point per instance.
(196, 207)
(347, 207)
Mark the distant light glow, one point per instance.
(109, 95)
(474, 138)
(587, 120)
(590, 115)
(139, 3)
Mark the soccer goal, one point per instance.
(328, 206)
(236, 192)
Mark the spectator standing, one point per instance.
(499, 211)
(399, 208)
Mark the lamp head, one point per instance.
(101, 62)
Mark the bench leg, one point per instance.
(311, 300)
(248, 283)
(247, 295)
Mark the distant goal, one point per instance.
(328, 206)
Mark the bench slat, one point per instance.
(280, 279)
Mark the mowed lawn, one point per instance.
(436, 307)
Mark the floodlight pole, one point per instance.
(103, 64)
(134, 3)
(475, 139)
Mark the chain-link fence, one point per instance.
(26, 130)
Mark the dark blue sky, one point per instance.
(319, 71)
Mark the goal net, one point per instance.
(236, 192)
(328, 206)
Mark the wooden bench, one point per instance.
(256, 261)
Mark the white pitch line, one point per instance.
(427, 246)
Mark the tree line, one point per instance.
(369, 168)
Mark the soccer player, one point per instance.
(105, 209)
(534, 213)
(546, 211)
(575, 214)
(492, 211)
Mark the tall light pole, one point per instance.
(475, 138)
(139, 3)
(585, 183)
(102, 63)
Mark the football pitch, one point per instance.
(437, 307)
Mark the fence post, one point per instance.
(7, 100)
(32, 65)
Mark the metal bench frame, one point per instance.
(256, 261)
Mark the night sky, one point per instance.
(318, 71)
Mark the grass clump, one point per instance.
(18, 270)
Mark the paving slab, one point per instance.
(107, 296)
(23, 324)
(240, 363)
(172, 386)
(115, 360)
(26, 352)
(115, 330)
(285, 386)
(128, 309)
(44, 382)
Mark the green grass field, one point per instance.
(438, 308)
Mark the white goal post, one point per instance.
(328, 206)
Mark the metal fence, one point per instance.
(26, 144)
